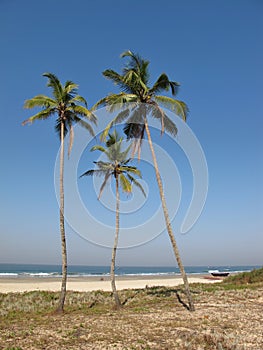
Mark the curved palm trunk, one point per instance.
(167, 221)
(62, 225)
(113, 257)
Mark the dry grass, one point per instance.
(153, 318)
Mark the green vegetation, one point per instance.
(244, 278)
(100, 302)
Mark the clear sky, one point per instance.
(213, 48)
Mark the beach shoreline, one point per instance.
(92, 283)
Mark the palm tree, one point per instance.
(66, 104)
(117, 166)
(137, 100)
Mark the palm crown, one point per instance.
(142, 99)
(117, 165)
(66, 103)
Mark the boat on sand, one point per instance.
(217, 273)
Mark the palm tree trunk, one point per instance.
(167, 220)
(62, 225)
(113, 257)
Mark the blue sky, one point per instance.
(213, 48)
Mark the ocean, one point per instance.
(42, 271)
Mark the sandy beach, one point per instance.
(81, 284)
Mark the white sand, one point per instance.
(85, 284)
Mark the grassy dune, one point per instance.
(228, 316)
(245, 278)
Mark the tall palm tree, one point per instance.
(137, 101)
(66, 104)
(117, 167)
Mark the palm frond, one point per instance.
(85, 125)
(156, 111)
(116, 102)
(122, 157)
(44, 114)
(113, 139)
(100, 103)
(130, 169)
(174, 87)
(80, 99)
(166, 123)
(117, 79)
(106, 178)
(114, 149)
(136, 148)
(136, 183)
(131, 79)
(136, 64)
(126, 53)
(169, 125)
(114, 153)
(126, 161)
(178, 107)
(133, 130)
(105, 166)
(136, 83)
(55, 85)
(93, 172)
(106, 131)
(163, 83)
(98, 148)
(83, 111)
(118, 119)
(125, 184)
(136, 132)
(71, 88)
(134, 127)
(145, 72)
(40, 101)
(89, 173)
(113, 102)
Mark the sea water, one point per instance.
(42, 271)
